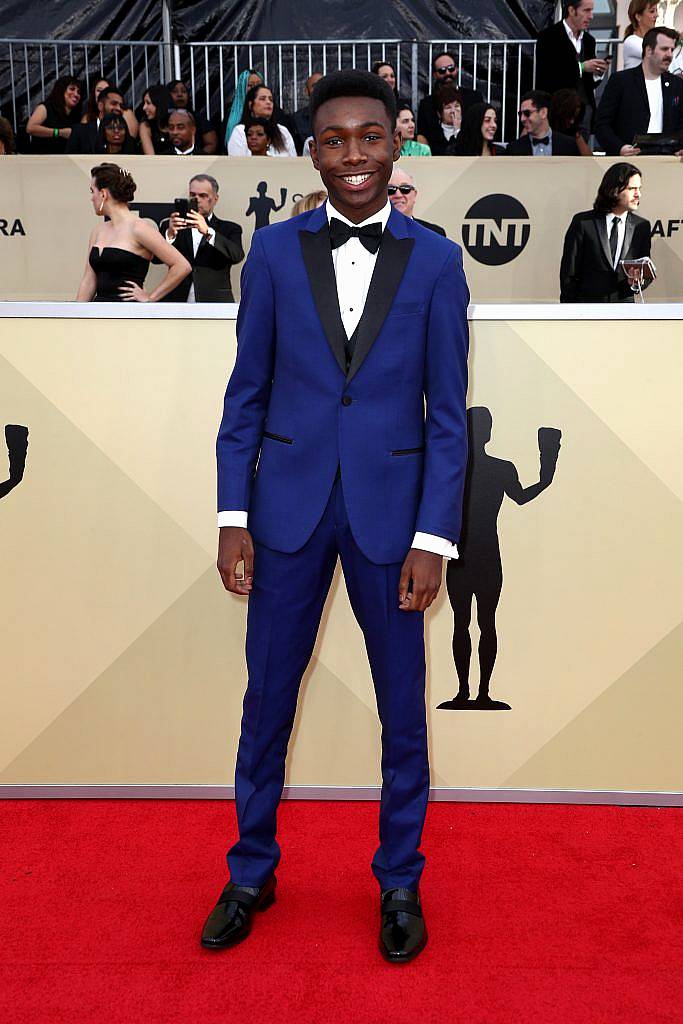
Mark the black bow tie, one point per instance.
(370, 236)
(540, 142)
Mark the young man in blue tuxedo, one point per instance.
(343, 435)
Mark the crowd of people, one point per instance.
(561, 116)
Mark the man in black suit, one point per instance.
(403, 196)
(211, 245)
(642, 100)
(444, 69)
(540, 139)
(83, 138)
(599, 239)
(565, 56)
(302, 117)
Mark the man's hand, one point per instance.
(424, 569)
(595, 66)
(629, 151)
(235, 545)
(175, 224)
(195, 220)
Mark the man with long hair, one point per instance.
(599, 239)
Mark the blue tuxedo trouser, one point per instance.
(285, 607)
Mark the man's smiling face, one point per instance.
(354, 149)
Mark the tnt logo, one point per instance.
(495, 230)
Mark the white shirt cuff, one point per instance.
(233, 519)
(168, 238)
(437, 545)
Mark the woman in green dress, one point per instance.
(405, 122)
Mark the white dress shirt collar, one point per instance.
(575, 40)
(382, 215)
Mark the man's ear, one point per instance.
(313, 150)
(397, 145)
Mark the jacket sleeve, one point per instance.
(228, 242)
(248, 391)
(570, 266)
(445, 388)
(608, 111)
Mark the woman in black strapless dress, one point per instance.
(121, 249)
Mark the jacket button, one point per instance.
(346, 400)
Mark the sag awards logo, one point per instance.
(496, 229)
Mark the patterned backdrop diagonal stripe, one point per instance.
(124, 657)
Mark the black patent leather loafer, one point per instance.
(230, 920)
(402, 932)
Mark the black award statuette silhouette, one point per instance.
(478, 573)
(16, 438)
(262, 205)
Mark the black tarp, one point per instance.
(273, 20)
(360, 19)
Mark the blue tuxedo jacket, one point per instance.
(394, 421)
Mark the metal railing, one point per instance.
(29, 67)
(502, 69)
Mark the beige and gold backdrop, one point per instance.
(122, 656)
(49, 196)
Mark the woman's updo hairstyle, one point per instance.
(118, 182)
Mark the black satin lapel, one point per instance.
(628, 236)
(601, 228)
(317, 256)
(390, 266)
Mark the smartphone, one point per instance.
(181, 206)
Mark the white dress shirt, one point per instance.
(656, 102)
(196, 241)
(621, 218)
(353, 268)
(237, 143)
(576, 42)
(542, 148)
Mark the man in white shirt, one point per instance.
(212, 246)
(599, 239)
(566, 55)
(182, 129)
(646, 100)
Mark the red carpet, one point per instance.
(543, 914)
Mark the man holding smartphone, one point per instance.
(566, 59)
(212, 246)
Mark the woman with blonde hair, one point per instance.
(309, 202)
(642, 16)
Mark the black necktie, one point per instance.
(614, 239)
(370, 236)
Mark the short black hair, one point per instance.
(353, 82)
(538, 98)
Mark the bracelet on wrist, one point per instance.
(55, 132)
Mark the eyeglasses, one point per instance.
(405, 190)
(524, 113)
(444, 68)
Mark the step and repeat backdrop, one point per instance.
(122, 656)
(510, 215)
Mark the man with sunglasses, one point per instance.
(444, 70)
(539, 139)
(403, 195)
